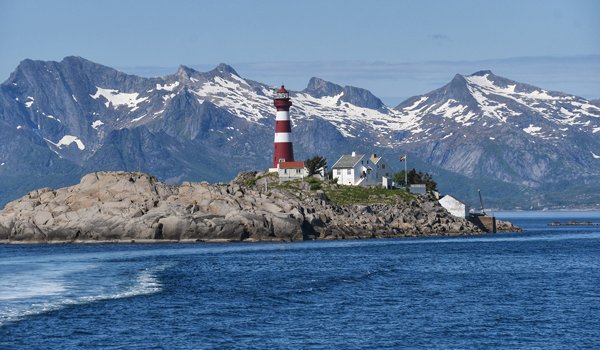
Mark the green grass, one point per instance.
(345, 195)
(289, 185)
(252, 182)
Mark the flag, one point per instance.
(403, 158)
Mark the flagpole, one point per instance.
(405, 172)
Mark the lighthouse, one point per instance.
(284, 152)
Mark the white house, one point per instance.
(291, 170)
(361, 170)
(454, 206)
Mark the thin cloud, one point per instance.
(438, 37)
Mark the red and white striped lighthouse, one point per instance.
(284, 151)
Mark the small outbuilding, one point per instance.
(291, 170)
(418, 188)
(454, 206)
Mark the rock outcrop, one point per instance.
(108, 206)
(506, 226)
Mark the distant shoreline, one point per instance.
(541, 211)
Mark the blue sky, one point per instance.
(396, 49)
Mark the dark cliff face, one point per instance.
(319, 88)
(60, 119)
(361, 98)
(356, 96)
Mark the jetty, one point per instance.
(574, 223)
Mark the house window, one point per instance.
(382, 166)
(339, 171)
(349, 171)
(297, 171)
(362, 162)
(285, 171)
(367, 162)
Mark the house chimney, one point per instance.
(353, 154)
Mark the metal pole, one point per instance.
(481, 201)
(405, 171)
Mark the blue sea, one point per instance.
(539, 289)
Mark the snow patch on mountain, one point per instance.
(418, 102)
(345, 115)
(167, 97)
(116, 98)
(167, 87)
(532, 130)
(67, 140)
(239, 79)
(97, 123)
(138, 118)
(240, 101)
(29, 101)
(548, 105)
(450, 109)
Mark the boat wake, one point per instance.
(47, 296)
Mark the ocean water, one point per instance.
(538, 289)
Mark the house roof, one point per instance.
(375, 158)
(348, 161)
(291, 165)
(448, 197)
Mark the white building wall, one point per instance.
(348, 176)
(343, 177)
(374, 177)
(454, 206)
(384, 169)
(357, 171)
(292, 173)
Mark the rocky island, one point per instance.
(129, 206)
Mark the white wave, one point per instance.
(145, 283)
(42, 288)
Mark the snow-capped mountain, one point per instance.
(485, 125)
(60, 119)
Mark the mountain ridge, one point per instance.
(478, 125)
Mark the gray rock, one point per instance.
(136, 206)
